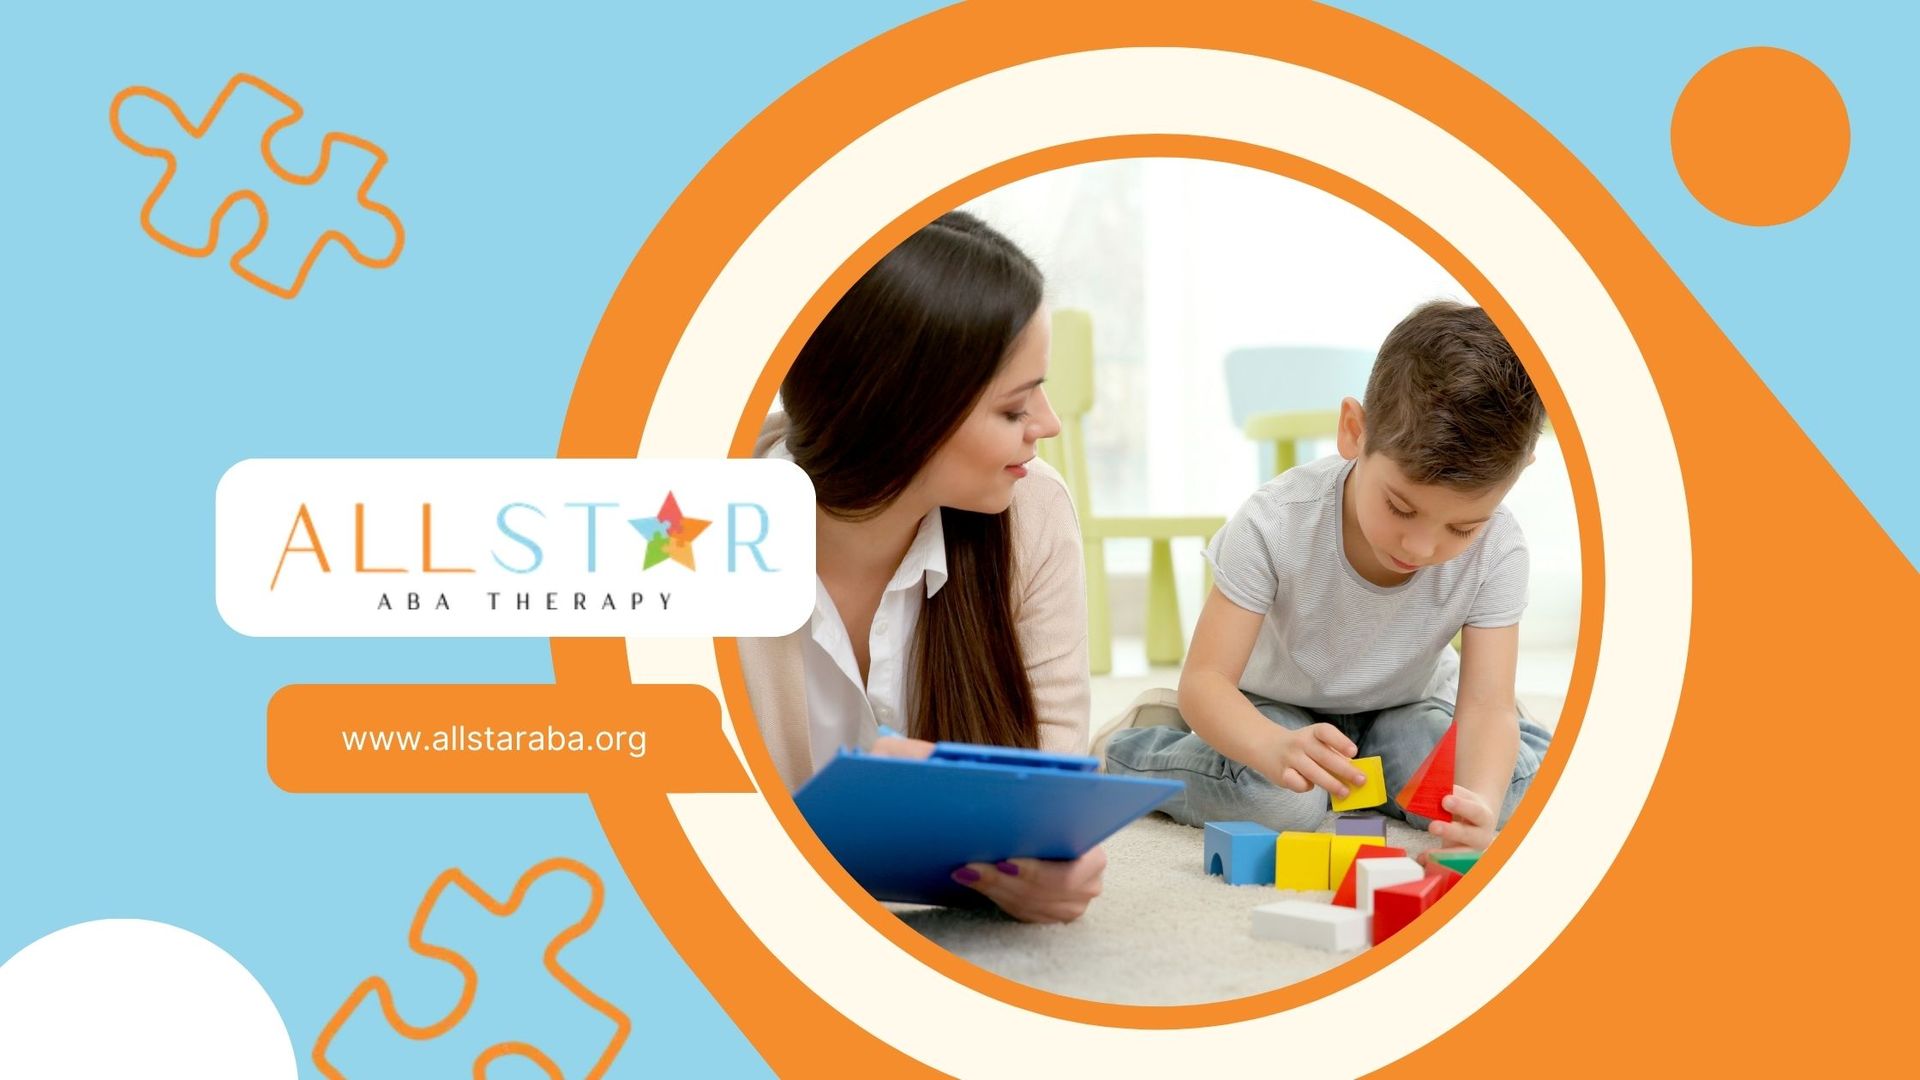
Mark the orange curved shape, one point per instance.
(516, 1049)
(259, 204)
(1593, 580)
(470, 980)
(1855, 596)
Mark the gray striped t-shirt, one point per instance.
(1331, 639)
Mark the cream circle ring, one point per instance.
(1646, 607)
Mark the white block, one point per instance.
(1319, 926)
(1380, 873)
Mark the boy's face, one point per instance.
(1403, 526)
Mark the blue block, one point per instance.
(1239, 851)
(1360, 824)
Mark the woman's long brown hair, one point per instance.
(891, 373)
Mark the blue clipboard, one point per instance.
(900, 826)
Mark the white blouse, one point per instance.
(840, 709)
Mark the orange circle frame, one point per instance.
(1592, 563)
(798, 1032)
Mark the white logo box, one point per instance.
(753, 572)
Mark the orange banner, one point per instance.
(640, 740)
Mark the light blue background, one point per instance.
(531, 155)
(1819, 306)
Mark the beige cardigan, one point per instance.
(1050, 616)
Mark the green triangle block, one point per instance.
(1459, 862)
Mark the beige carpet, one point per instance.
(1161, 933)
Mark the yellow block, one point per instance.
(1373, 793)
(1345, 850)
(1301, 859)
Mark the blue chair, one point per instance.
(1288, 394)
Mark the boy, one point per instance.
(1339, 586)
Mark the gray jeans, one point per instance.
(1222, 789)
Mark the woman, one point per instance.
(950, 603)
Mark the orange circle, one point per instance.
(1760, 136)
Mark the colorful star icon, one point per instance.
(669, 534)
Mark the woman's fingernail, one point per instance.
(1007, 868)
(966, 875)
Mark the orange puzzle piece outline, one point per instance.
(259, 204)
(470, 980)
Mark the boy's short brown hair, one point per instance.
(1449, 402)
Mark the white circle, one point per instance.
(1646, 608)
(131, 997)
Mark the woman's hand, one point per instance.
(1473, 821)
(1038, 890)
(1031, 890)
(901, 746)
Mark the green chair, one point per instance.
(1070, 391)
(1286, 395)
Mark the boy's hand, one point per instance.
(1315, 756)
(1473, 822)
(1038, 890)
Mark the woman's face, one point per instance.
(976, 468)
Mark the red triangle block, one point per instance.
(1397, 905)
(1448, 876)
(1413, 782)
(1431, 782)
(1348, 895)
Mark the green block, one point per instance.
(1459, 862)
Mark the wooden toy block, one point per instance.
(1372, 874)
(1448, 878)
(1372, 793)
(1363, 823)
(1420, 774)
(1317, 926)
(1342, 850)
(1431, 782)
(1301, 860)
(1241, 852)
(1350, 884)
(1394, 906)
(1458, 860)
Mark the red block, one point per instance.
(1397, 905)
(1348, 893)
(1449, 877)
(1431, 782)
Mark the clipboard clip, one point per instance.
(979, 754)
